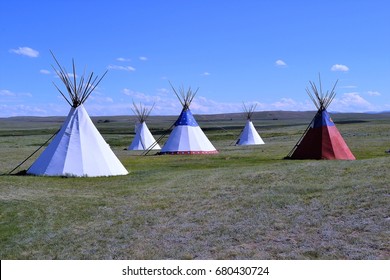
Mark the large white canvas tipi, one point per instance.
(187, 137)
(78, 149)
(249, 135)
(143, 139)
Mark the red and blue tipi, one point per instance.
(321, 140)
(187, 137)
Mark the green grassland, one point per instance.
(243, 203)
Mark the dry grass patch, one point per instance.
(244, 203)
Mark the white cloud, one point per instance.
(162, 92)
(280, 63)
(206, 74)
(339, 67)
(121, 68)
(128, 92)
(70, 75)
(44, 71)
(351, 102)
(11, 103)
(25, 51)
(101, 99)
(6, 92)
(27, 94)
(284, 103)
(374, 93)
(22, 110)
(122, 59)
(289, 104)
(166, 103)
(143, 58)
(204, 105)
(140, 96)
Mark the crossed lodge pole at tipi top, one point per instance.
(78, 93)
(321, 100)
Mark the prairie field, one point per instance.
(243, 203)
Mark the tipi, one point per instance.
(187, 137)
(143, 139)
(321, 140)
(249, 135)
(78, 149)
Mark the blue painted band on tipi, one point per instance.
(322, 119)
(186, 118)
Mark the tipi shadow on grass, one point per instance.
(78, 149)
(321, 139)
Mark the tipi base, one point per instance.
(188, 153)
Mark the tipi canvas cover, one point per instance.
(78, 149)
(322, 140)
(143, 139)
(249, 135)
(187, 137)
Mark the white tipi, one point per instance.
(249, 135)
(143, 139)
(187, 137)
(78, 149)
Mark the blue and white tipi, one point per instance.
(187, 137)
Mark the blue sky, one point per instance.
(263, 51)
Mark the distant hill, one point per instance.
(263, 115)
